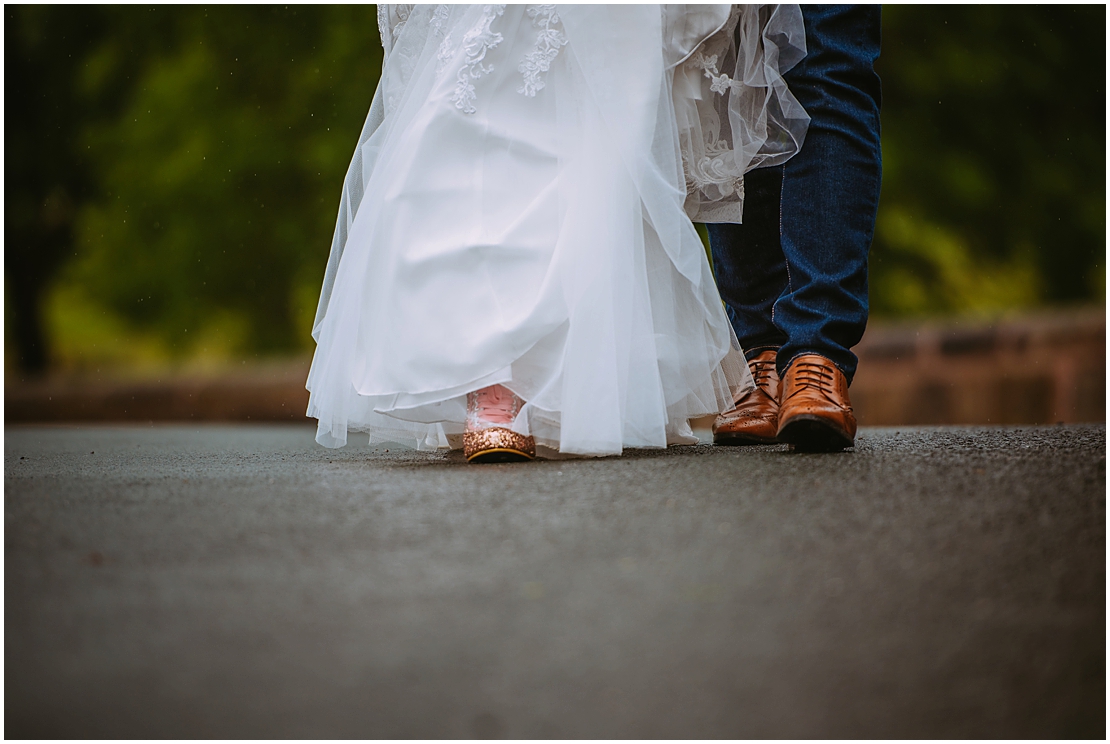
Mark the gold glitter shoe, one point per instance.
(488, 438)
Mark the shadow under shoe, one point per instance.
(816, 414)
(489, 414)
(755, 420)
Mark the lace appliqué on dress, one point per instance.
(403, 12)
(550, 39)
(439, 17)
(476, 43)
(443, 56)
(391, 21)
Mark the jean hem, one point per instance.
(752, 352)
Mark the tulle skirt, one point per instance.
(518, 212)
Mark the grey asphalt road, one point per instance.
(239, 581)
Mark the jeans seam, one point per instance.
(785, 260)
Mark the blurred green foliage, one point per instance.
(216, 141)
(994, 130)
(173, 173)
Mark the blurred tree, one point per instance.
(994, 147)
(46, 175)
(220, 178)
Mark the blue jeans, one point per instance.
(794, 276)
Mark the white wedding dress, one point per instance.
(518, 212)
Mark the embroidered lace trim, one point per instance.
(476, 43)
(383, 25)
(717, 167)
(550, 39)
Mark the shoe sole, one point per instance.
(499, 455)
(810, 433)
(498, 444)
(736, 439)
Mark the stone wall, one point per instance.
(1039, 369)
(1036, 369)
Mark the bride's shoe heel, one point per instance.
(485, 440)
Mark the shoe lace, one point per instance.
(762, 369)
(495, 404)
(813, 375)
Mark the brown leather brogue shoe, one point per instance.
(815, 414)
(755, 419)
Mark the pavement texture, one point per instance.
(240, 581)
